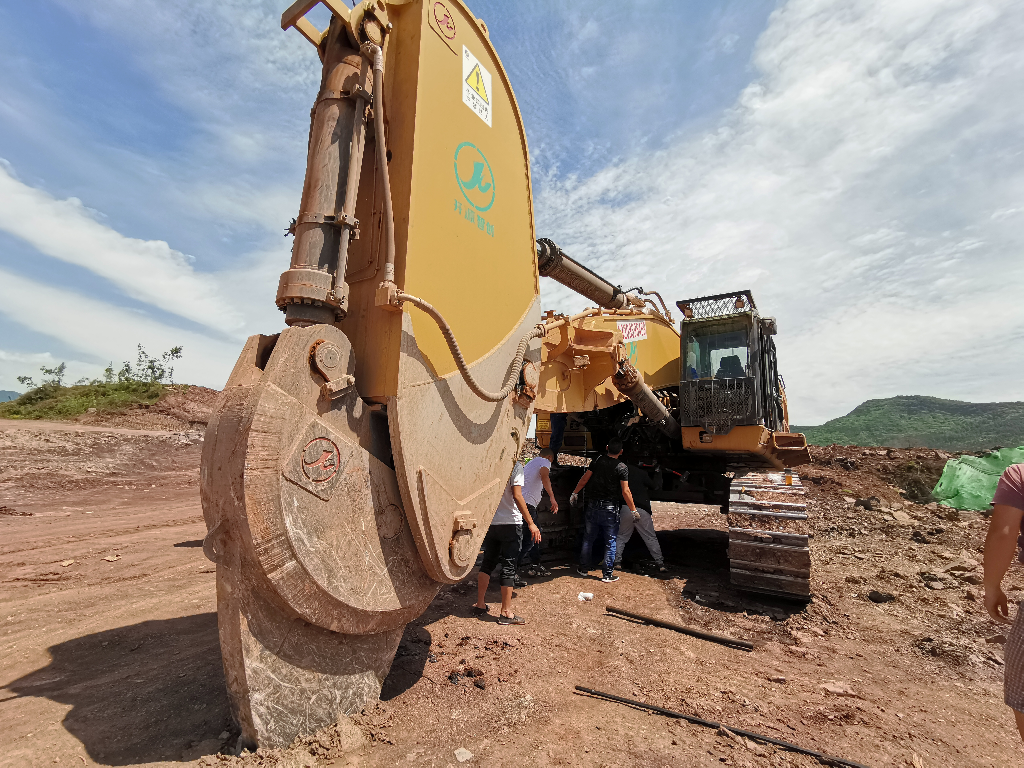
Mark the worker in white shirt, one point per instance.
(537, 480)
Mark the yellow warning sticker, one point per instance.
(476, 82)
(476, 86)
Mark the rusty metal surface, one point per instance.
(348, 470)
(769, 541)
(307, 527)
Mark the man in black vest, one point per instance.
(640, 485)
(607, 480)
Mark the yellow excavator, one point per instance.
(355, 458)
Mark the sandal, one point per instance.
(502, 619)
(477, 610)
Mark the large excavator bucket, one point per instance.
(350, 470)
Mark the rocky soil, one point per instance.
(109, 652)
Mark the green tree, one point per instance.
(149, 368)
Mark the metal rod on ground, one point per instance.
(712, 724)
(741, 644)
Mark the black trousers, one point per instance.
(502, 543)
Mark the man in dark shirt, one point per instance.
(640, 485)
(607, 479)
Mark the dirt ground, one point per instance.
(181, 408)
(109, 651)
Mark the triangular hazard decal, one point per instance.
(476, 82)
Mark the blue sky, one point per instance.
(857, 163)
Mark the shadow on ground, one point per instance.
(141, 693)
(700, 558)
(412, 658)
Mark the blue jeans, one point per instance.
(602, 521)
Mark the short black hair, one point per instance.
(614, 446)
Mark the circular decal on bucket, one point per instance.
(320, 459)
(444, 20)
(473, 173)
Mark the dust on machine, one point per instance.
(356, 456)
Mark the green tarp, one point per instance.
(970, 481)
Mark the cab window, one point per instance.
(717, 355)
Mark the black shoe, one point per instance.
(581, 571)
(520, 582)
(609, 578)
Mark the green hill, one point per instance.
(928, 422)
(52, 401)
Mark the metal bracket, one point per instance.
(464, 521)
(325, 358)
(369, 17)
(361, 93)
(358, 92)
(340, 220)
(335, 388)
(295, 16)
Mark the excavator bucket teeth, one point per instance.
(769, 536)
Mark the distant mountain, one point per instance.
(7, 395)
(927, 422)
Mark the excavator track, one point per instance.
(769, 534)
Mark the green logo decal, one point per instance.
(473, 173)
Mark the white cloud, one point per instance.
(251, 285)
(228, 63)
(270, 207)
(148, 270)
(108, 333)
(865, 186)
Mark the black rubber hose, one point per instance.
(449, 336)
(827, 759)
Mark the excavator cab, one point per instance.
(731, 398)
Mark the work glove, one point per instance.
(574, 499)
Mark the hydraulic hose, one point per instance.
(374, 51)
(355, 165)
(668, 314)
(536, 332)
